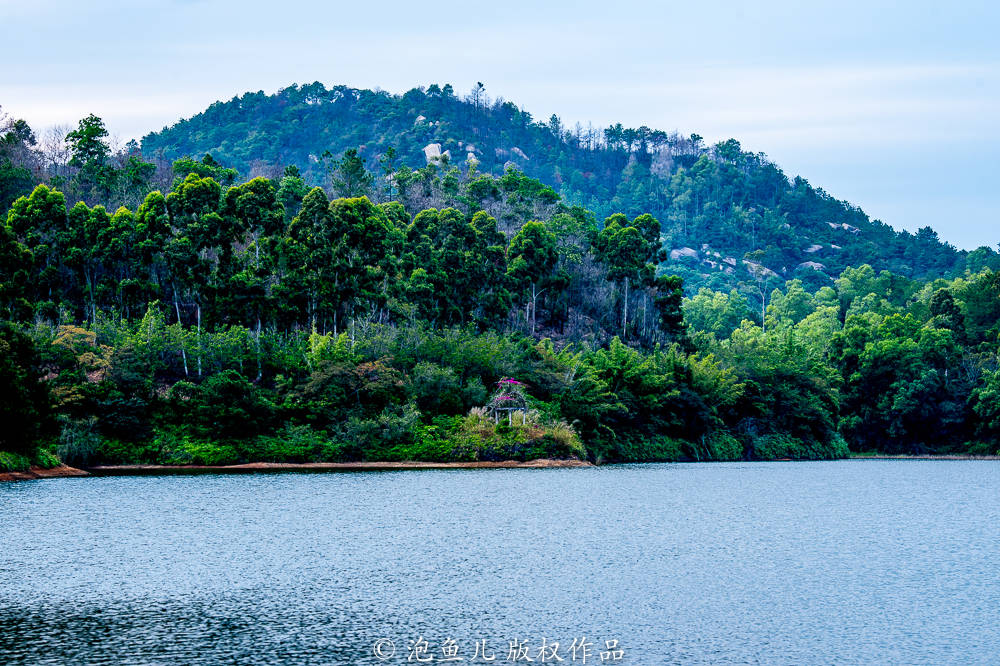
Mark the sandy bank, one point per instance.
(42, 473)
(126, 470)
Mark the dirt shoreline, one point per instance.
(62, 471)
(924, 457)
(249, 468)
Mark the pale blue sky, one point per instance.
(890, 105)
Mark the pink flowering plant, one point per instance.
(510, 394)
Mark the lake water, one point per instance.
(771, 563)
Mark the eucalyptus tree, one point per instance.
(464, 262)
(38, 221)
(363, 243)
(15, 275)
(626, 249)
(307, 260)
(153, 232)
(531, 258)
(199, 254)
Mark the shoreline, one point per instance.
(250, 468)
(902, 456)
(34, 472)
(65, 471)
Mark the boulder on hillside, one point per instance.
(682, 252)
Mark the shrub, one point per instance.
(479, 438)
(374, 438)
(291, 444)
(982, 449)
(177, 448)
(777, 447)
(45, 459)
(78, 441)
(838, 447)
(437, 390)
(12, 462)
(782, 446)
(635, 447)
(224, 407)
(723, 446)
(122, 452)
(432, 443)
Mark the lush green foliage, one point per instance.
(228, 321)
(715, 202)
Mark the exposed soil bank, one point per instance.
(249, 468)
(42, 473)
(927, 457)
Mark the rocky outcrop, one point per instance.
(846, 227)
(432, 151)
(683, 252)
(759, 269)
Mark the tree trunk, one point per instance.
(534, 307)
(625, 311)
(93, 306)
(177, 309)
(645, 306)
(763, 306)
(260, 371)
(199, 338)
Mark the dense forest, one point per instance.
(715, 202)
(350, 306)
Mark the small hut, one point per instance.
(508, 399)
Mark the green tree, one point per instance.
(258, 218)
(291, 190)
(670, 311)
(947, 314)
(207, 167)
(984, 402)
(15, 270)
(17, 149)
(363, 240)
(715, 312)
(348, 176)
(530, 259)
(24, 398)
(308, 261)
(87, 143)
(625, 248)
(39, 223)
(387, 163)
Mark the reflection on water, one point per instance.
(856, 561)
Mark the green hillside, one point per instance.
(715, 203)
(381, 302)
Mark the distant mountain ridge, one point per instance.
(716, 204)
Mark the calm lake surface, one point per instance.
(772, 563)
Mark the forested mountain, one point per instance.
(360, 308)
(715, 203)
